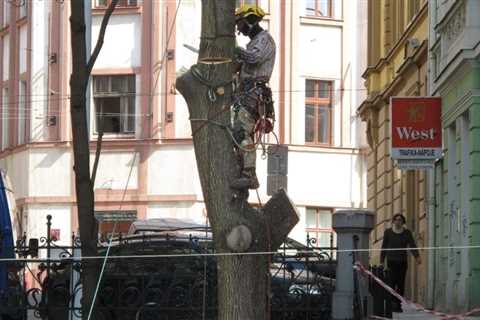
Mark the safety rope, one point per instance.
(261, 140)
(204, 298)
(213, 88)
(230, 133)
(220, 35)
(260, 135)
(110, 242)
(214, 60)
(269, 248)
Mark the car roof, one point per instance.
(166, 225)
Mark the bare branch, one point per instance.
(98, 148)
(101, 35)
(90, 64)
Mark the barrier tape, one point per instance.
(378, 318)
(418, 307)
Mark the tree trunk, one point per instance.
(81, 69)
(242, 280)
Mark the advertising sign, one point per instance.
(416, 128)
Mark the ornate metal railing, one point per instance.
(44, 282)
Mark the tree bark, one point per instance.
(81, 69)
(242, 280)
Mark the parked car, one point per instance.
(158, 271)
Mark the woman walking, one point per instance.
(398, 238)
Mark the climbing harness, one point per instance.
(263, 112)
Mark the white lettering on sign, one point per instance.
(417, 152)
(412, 134)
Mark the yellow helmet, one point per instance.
(249, 10)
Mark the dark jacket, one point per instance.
(392, 240)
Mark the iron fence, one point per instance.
(44, 282)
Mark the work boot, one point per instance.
(247, 180)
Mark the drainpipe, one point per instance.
(431, 238)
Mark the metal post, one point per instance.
(431, 237)
(348, 224)
(49, 248)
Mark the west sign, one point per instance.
(416, 127)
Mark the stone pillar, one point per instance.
(351, 226)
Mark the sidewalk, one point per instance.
(409, 313)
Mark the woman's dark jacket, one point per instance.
(392, 240)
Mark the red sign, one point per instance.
(416, 127)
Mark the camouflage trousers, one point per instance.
(244, 127)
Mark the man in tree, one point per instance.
(253, 109)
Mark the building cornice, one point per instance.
(464, 58)
(378, 98)
(326, 22)
(108, 196)
(461, 106)
(452, 10)
(118, 11)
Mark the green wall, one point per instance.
(459, 274)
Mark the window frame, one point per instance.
(5, 117)
(316, 14)
(242, 2)
(320, 102)
(125, 98)
(317, 229)
(22, 11)
(22, 111)
(6, 8)
(108, 2)
(265, 7)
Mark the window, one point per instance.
(107, 219)
(5, 113)
(6, 13)
(319, 226)
(23, 9)
(121, 3)
(318, 8)
(318, 112)
(114, 98)
(239, 3)
(21, 112)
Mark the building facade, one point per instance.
(397, 66)
(147, 148)
(455, 76)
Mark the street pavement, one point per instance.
(410, 313)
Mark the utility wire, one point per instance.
(143, 94)
(227, 254)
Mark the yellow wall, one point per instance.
(397, 64)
